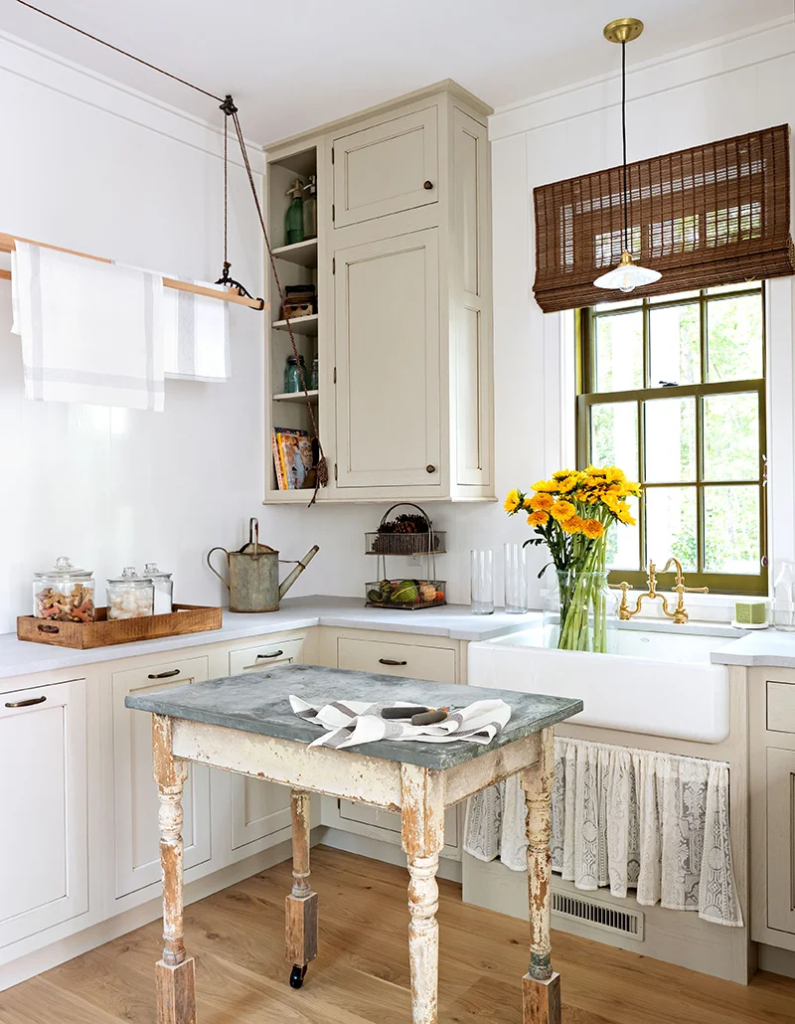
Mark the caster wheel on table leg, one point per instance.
(297, 976)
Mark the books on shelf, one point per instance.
(292, 457)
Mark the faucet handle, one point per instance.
(695, 590)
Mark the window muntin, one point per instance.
(673, 391)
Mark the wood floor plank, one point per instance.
(361, 976)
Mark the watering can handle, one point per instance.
(220, 577)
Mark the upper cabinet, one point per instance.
(397, 341)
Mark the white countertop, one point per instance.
(18, 657)
(760, 647)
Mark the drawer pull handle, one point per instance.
(428, 185)
(25, 703)
(275, 654)
(430, 469)
(164, 675)
(287, 661)
(391, 661)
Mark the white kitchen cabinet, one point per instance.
(781, 839)
(260, 809)
(136, 835)
(44, 847)
(403, 334)
(390, 657)
(387, 167)
(387, 359)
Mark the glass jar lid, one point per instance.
(131, 577)
(151, 570)
(63, 567)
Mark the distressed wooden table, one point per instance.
(245, 724)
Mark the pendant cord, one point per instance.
(118, 49)
(624, 139)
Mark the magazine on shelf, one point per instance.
(292, 457)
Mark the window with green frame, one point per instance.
(672, 390)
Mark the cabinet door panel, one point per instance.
(137, 839)
(259, 809)
(390, 820)
(411, 661)
(44, 849)
(383, 169)
(387, 357)
(781, 840)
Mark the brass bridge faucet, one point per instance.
(679, 614)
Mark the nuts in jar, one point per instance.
(64, 593)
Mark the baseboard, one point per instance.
(376, 849)
(104, 931)
(779, 961)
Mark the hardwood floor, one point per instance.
(361, 976)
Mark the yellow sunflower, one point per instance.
(624, 514)
(562, 510)
(592, 528)
(572, 525)
(545, 485)
(538, 518)
(512, 501)
(541, 502)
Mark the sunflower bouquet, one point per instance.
(571, 514)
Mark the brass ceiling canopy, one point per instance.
(623, 30)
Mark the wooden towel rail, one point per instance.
(8, 244)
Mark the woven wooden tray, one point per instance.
(186, 618)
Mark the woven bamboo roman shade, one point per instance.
(715, 214)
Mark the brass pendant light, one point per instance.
(627, 276)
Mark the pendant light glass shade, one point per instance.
(627, 276)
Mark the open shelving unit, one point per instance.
(296, 264)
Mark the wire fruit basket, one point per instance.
(407, 535)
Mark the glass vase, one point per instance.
(783, 610)
(481, 580)
(515, 579)
(580, 613)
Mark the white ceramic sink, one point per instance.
(657, 683)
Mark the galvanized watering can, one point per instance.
(254, 574)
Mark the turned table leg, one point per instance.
(301, 904)
(422, 827)
(541, 986)
(175, 972)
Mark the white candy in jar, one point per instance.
(130, 596)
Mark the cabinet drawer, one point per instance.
(780, 707)
(407, 660)
(390, 167)
(364, 814)
(255, 659)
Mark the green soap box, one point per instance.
(750, 613)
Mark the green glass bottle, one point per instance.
(294, 218)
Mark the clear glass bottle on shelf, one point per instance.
(310, 207)
(64, 593)
(313, 376)
(294, 217)
(164, 588)
(292, 375)
(783, 610)
(130, 596)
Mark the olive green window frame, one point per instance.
(720, 583)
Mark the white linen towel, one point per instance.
(352, 722)
(91, 331)
(196, 335)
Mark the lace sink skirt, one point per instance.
(627, 819)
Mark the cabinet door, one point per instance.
(260, 809)
(387, 168)
(389, 821)
(137, 838)
(411, 661)
(781, 840)
(387, 359)
(44, 847)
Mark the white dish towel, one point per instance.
(196, 335)
(91, 331)
(351, 722)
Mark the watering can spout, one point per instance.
(293, 576)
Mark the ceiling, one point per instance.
(294, 66)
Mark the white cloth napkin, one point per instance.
(351, 723)
(196, 335)
(91, 331)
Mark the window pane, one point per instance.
(734, 338)
(620, 304)
(731, 530)
(673, 297)
(614, 436)
(618, 347)
(670, 425)
(675, 351)
(671, 525)
(740, 287)
(731, 437)
(623, 544)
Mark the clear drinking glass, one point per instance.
(515, 579)
(481, 580)
(784, 598)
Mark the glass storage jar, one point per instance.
(784, 598)
(314, 377)
(292, 375)
(164, 588)
(64, 593)
(130, 596)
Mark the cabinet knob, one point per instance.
(430, 469)
(427, 185)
